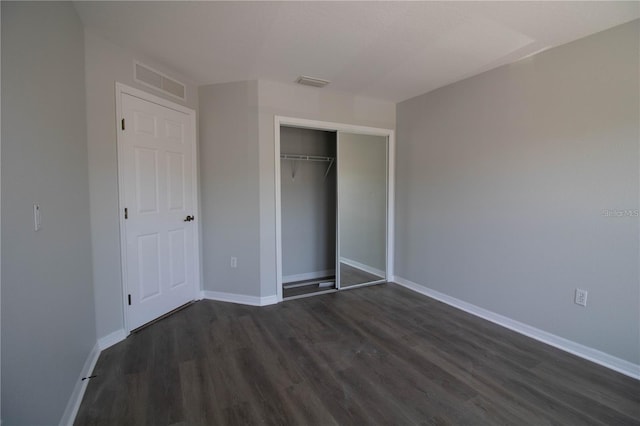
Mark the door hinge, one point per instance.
(126, 213)
(129, 299)
(123, 124)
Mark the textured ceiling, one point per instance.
(385, 50)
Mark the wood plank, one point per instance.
(373, 355)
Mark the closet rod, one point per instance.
(305, 157)
(297, 157)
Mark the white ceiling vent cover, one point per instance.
(152, 78)
(312, 81)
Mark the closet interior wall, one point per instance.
(308, 205)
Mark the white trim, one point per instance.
(358, 265)
(111, 339)
(70, 412)
(338, 283)
(337, 127)
(308, 276)
(330, 126)
(121, 89)
(391, 203)
(121, 203)
(241, 299)
(278, 206)
(609, 361)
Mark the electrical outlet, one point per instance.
(234, 262)
(581, 297)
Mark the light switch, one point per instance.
(36, 217)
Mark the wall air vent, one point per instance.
(152, 78)
(312, 81)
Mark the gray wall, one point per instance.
(237, 164)
(293, 100)
(105, 64)
(229, 187)
(48, 322)
(501, 184)
(308, 203)
(362, 171)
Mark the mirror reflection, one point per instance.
(362, 213)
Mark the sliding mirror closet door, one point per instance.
(362, 209)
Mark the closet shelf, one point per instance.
(298, 157)
(305, 157)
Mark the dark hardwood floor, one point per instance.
(375, 355)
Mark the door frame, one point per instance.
(335, 127)
(120, 90)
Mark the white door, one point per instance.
(157, 146)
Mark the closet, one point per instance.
(308, 209)
(334, 207)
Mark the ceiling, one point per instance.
(385, 50)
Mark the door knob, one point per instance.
(189, 218)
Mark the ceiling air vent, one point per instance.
(157, 80)
(312, 81)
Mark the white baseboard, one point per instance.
(308, 276)
(111, 339)
(614, 363)
(70, 412)
(362, 266)
(241, 299)
(269, 300)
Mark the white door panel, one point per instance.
(175, 181)
(146, 174)
(177, 258)
(160, 251)
(148, 251)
